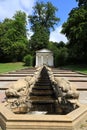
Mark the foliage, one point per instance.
(18, 50)
(13, 39)
(28, 60)
(76, 32)
(82, 2)
(61, 44)
(39, 40)
(42, 20)
(44, 15)
(61, 57)
(19, 25)
(60, 53)
(53, 47)
(5, 42)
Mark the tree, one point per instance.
(18, 51)
(5, 41)
(76, 32)
(39, 40)
(61, 44)
(42, 20)
(82, 2)
(13, 38)
(19, 25)
(61, 56)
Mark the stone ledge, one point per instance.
(71, 121)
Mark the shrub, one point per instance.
(61, 57)
(28, 60)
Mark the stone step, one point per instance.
(41, 92)
(21, 72)
(15, 75)
(70, 76)
(42, 84)
(43, 78)
(27, 70)
(41, 98)
(43, 101)
(42, 87)
(43, 81)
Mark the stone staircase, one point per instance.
(42, 95)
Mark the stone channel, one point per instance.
(78, 79)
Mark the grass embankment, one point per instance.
(78, 68)
(7, 67)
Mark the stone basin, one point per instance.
(70, 121)
(38, 113)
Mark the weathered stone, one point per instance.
(63, 84)
(28, 78)
(17, 89)
(62, 89)
(18, 93)
(67, 87)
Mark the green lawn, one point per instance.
(78, 68)
(6, 67)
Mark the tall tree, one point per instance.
(5, 41)
(20, 36)
(82, 2)
(19, 25)
(42, 20)
(76, 32)
(39, 40)
(13, 38)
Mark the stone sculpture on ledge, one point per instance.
(19, 93)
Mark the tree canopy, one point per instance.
(75, 28)
(82, 2)
(42, 20)
(14, 45)
(13, 38)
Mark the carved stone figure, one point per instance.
(67, 87)
(17, 88)
(18, 94)
(65, 92)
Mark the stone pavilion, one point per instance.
(44, 57)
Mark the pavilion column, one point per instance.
(41, 60)
(36, 60)
(52, 60)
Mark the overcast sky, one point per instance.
(9, 7)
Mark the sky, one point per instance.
(9, 7)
